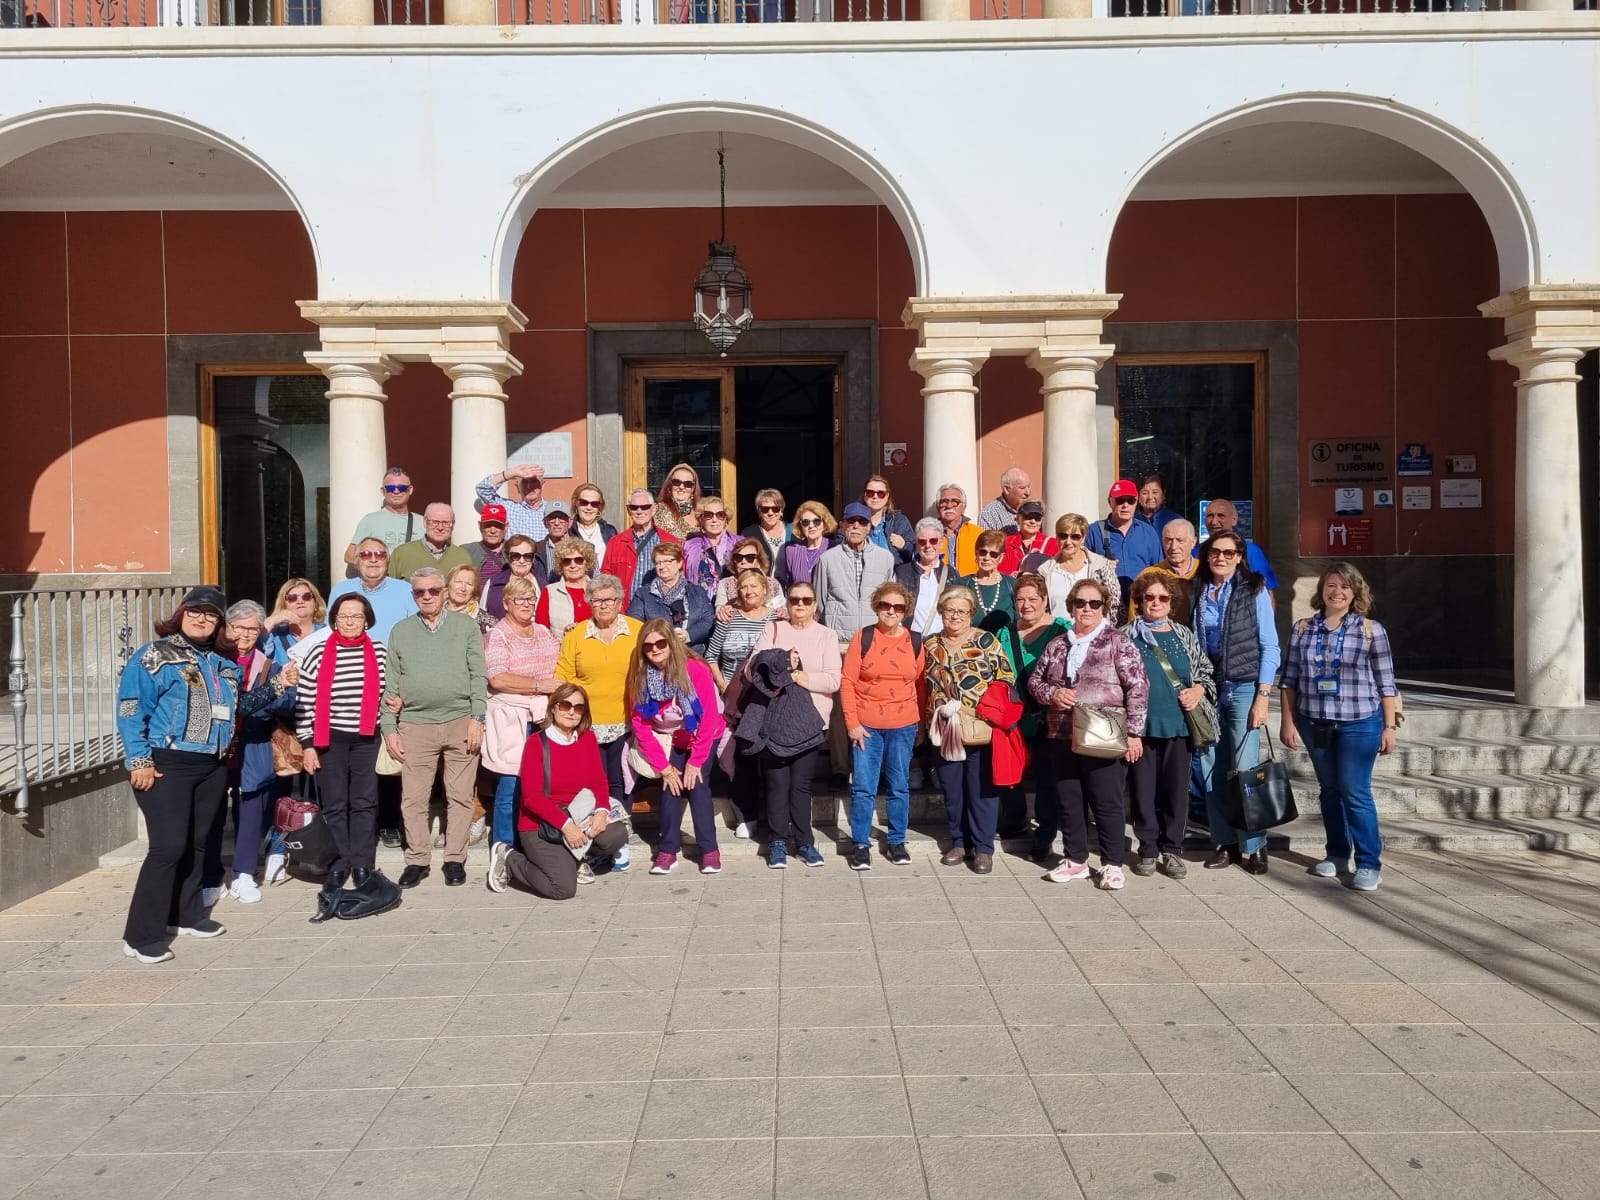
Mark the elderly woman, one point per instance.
(1030, 547)
(563, 604)
(1180, 680)
(1340, 698)
(749, 554)
(588, 506)
(563, 821)
(672, 702)
(676, 501)
(1074, 562)
(340, 690)
(769, 525)
(1231, 614)
(297, 613)
(461, 595)
(668, 595)
(962, 661)
(252, 781)
(176, 706)
(996, 608)
(595, 655)
(814, 527)
(878, 694)
(520, 658)
(814, 657)
(891, 528)
(1024, 640)
(708, 553)
(1095, 664)
(521, 562)
(739, 627)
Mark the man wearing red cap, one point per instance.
(1132, 543)
(488, 552)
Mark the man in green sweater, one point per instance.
(433, 712)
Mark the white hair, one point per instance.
(953, 487)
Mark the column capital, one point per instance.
(1049, 360)
(355, 370)
(415, 330)
(496, 366)
(1009, 324)
(1546, 323)
(948, 360)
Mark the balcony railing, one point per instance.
(66, 650)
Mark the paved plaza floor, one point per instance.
(916, 1031)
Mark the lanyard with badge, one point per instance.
(1325, 674)
(213, 681)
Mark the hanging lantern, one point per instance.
(722, 289)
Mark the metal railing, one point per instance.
(65, 650)
(178, 14)
(1247, 8)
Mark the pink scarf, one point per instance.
(369, 687)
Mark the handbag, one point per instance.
(639, 764)
(288, 755)
(388, 764)
(1260, 797)
(1099, 732)
(293, 813)
(975, 731)
(1202, 718)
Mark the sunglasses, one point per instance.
(577, 558)
(587, 503)
(1157, 598)
(746, 558)
(1125, 500)
(678, 483)
(570, 706)
(809, 521)
(521, 556)
(891, 608)
(654, 644)
(802, 601)
(640, 507)
(771, 508)
(298, 597)
(874, 492)
(930, 541)
(988, 554)
(372, 555)
(424, 592)
(1095, 605)
(1072, 537)
(951, 503)
(714, 514)
(1220, 552)
(396, 487)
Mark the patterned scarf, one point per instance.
(659, 692)
(1080, 643)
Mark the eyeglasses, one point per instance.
(372, 555)
(521, 556)
(587, 503)
(802, 601)
(930, 541)
(576, 558)
(1222, 552)
(298, 597)
(755, 558)
(956, 610)
(891, 608)
(951, 503)
(1157, 598)
(809, 521)
(874, 493)
(714, 514)
(446, 523)
(1082, 602)
(770, 508)
(678, 483)
(857, 521)
(355, 615)
(570, 706)
(640, 507)
(240, 631)
(425, 592)
(204, 614)
(393, 488)
(604, 599)
(988, 554)
(654, 644)
(519, 601)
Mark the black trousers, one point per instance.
(1085, 785)
(788, 783)
(611, 755)
(1159, 782)
(389, 802)
(179, 812)
(347, 789)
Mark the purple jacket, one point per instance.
(1112, 676)
(796, 563)
(695, 553)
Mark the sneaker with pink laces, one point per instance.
(1111, 878)
(711, 862)
(1067, 870)
(663, 863)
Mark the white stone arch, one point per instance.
(1504, 206)
(35, 130)
(536, 186)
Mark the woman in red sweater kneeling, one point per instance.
(563, 820)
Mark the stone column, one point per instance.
(357, 446)
(477, 427)
(1071, 480)
(1548, 570)
(469, 12)
(347, 12)
(950, 421)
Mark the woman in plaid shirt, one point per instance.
(1339, 696)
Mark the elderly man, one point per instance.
(434, 549)
(1153, 510)
(1001, 512)
(1131, 543)
(557, 524)
(1177, 547)
(844, 580)
(488, 552)
(394, 524)
(628, 555)
(1221, 517)
(960, 534)
(525, 508)
(433, 712)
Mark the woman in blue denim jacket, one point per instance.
(176, 712)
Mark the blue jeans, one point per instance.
(887, 752)
(1239, 747)
(1344, 770)
(971, 799)
(507, 789)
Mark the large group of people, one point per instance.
(559, 673)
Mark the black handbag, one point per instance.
(1259, 797)
(377, 895)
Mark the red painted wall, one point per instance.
(1385, 292)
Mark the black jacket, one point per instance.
(778, 714)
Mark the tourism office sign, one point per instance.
(1350, 462)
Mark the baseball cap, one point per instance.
(1124, 489)
(492, 514)
(1031, 508)
(855, 510)
(556, 508)
(206, 596)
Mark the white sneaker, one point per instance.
(277, 870)
(150, 954)
(622, 859)
(1066, 871)
(478, 831)
(742, 830)
(210, 896)
(585, 873)
(244, 889)
(1326, 869)
(497, 866)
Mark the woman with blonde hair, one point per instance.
(588, 507)
(814, 527)
(677, 500)
(1075, 562)
(297, 613)
(461, 595)
(749, 554)
(563, 604)
(708, 553)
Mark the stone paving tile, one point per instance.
(1323, 1165)
(728, 1170)
(1151, 1167)
(1563, 1162)
(124, 1176)
(1446, 1166)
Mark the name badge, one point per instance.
(221, 712)
(1327, 685)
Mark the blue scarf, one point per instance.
(1140, 631)
(658, 692)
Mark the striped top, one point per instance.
(732, 641)
(344, 700)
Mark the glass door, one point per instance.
(680, 413)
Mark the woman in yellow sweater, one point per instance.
(595, 656)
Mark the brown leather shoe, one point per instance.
(954, 856)
(1222, 856)
(1256, 863)
(982, 864)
